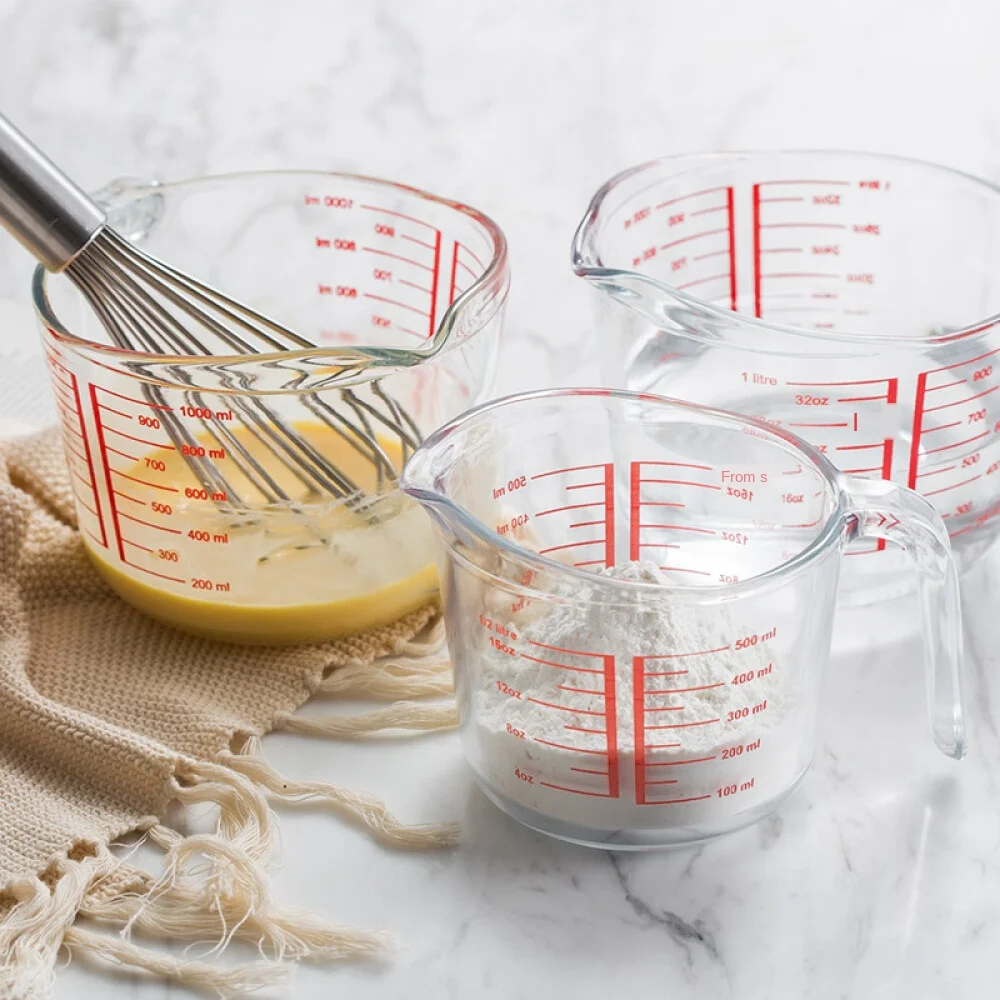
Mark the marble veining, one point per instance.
(880, 877)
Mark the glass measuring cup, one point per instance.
(850, 298)
(404, 292)
(726, 536)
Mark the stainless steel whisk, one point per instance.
(148, 306)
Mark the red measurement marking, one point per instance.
(918, 419)
(700, 687)
(682, 482)
(396, 256)
(684, 569)
(708, 211)
(413, 284)
(563, 708)
(131, 458)
(611, 722)
(565, 746)
(958, 444)
(693, 194)
(575, 791)
(679, 465)
(695, 236)
(132, 437)
(566, 687)
(679, 656)
(466, 268)
(971, 361)
(96, 407)
(586, 524)
(677, 763)
(120, 413)
(947, 385)
(677, 802)
(454, 269)
(143, 482)
(145, 548)
(953, 486)
(150, 524)
(562, 649)
(394, 302)
(937, 472)
(87, 506)
(702, 281)
(574, 468)
(803, 225)
(413, 239)
(570, 545)
(784, 250)
(686, 725)
(756, 251)
(470, 252)
(572, 506)
(609, 515)
(959, 402)
(587, 770)
(680, 527)
(73, 451)
(633, 517)
(817, 183)
(800, 274)
(583, 486)
(162, 576)
(639, 716)
(666, 708)
(559, 666)
(818, 425)
(663, 781)
(138, 402)
(887, 462)
(767, 201)
(399, 215)
(590, 562)
(125, 496)
(434, 284)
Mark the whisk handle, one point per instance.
(39, 205)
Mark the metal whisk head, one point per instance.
(147, 306)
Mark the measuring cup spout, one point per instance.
(883, 510)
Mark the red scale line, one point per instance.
(575, 468)
(395, 302)
(953, 486)
(959, 402)
(398, 215)
(413, 239)
(434, 285)
(559, 666)
(563, 708)
(150, 524)
(396, 256)
(695, 236)
(693, 194)
(565, 746)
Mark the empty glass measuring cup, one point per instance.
(850, 298)
(639, 596)
(185, 495)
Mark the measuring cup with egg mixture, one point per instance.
(403, 293)
(853, 299)
(639, 596)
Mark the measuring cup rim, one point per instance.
(492, 285)
(700, 593)
(586, 264)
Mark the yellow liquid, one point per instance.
(276, 574)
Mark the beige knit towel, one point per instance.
(107, 716)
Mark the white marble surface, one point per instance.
(880, 878)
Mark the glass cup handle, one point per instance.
(880, 509)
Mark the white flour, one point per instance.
(718, 728)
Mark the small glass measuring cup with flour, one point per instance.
(639, 598)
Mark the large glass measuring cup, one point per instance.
(640, 620)
(852, 299)
(404, 293)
